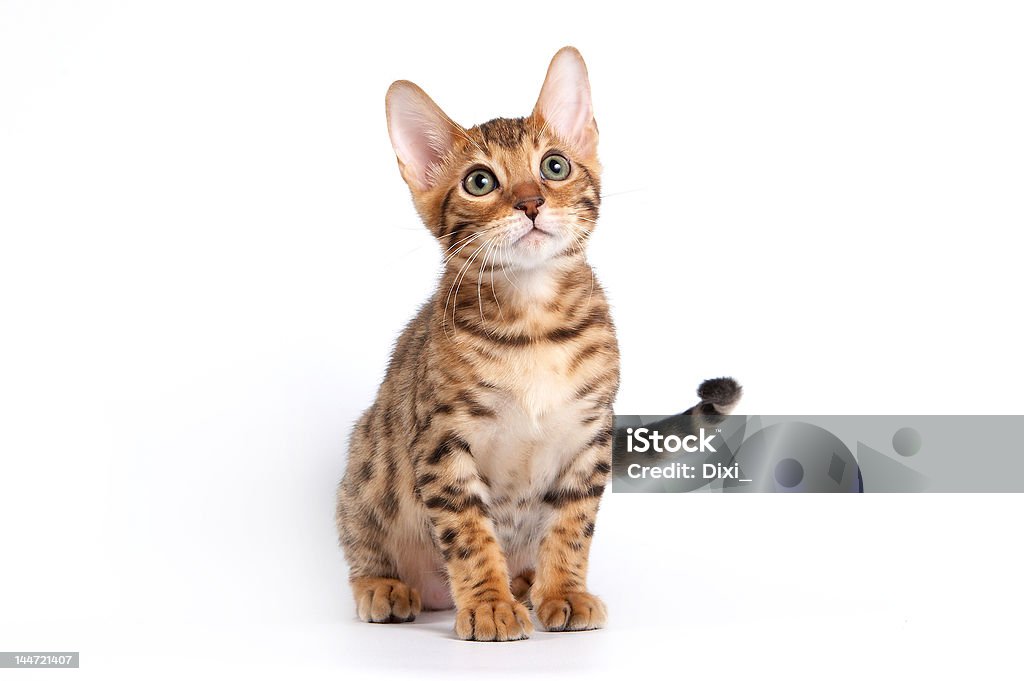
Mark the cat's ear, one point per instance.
(421, 133)
(564, 103)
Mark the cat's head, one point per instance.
(513, 192)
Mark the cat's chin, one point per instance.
(537, 257)
(535, 248)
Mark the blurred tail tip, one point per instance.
(721, 392)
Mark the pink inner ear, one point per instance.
(564, 101)
(420, 133)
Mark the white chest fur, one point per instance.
(535, 433)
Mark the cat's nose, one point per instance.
(530, 205)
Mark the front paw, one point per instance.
(385, 600)
(495, 620)
(572, 611)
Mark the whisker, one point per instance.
(494, 291)
(456, 253)
(471, 236)
(444, 314)
(455, 307)
(456, 287)
(582, 246)
(479, 279)
(465, 135)
(507, 251)
(454, 245)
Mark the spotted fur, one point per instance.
(475, 477)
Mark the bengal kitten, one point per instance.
(475, 477)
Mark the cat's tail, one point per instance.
(718, 397)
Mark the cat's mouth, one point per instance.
(532, 234)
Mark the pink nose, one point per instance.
(530, 205)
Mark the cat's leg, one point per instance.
(454, 495)
(521, 584)
(366, 506)
(380, 596)
(559, 593)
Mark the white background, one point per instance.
(207, 250)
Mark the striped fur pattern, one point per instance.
(474, 479)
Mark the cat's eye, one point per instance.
(480, 182)
(555, 167)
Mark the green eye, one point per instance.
(480, 182)
(554, 167)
